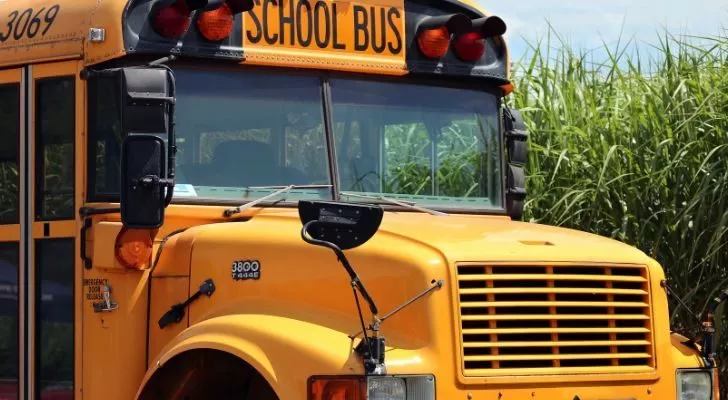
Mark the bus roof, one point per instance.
(100, 30)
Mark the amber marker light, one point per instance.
(133, 248)
(434, 43)
(217, 24)
(336, 388)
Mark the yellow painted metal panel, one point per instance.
(362, 36)
(241, 316)
(42, 30)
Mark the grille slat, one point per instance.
(464, 304)
(531, 357)
(507, 331)
(559, 344)
(546, 290)
(546, 277)
(554, 317)
(531, 319)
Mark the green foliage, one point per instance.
(637, 154)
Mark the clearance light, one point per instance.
(134, 247)
(433, 33)
(434, 43)
(173, 20)
(470, 46)
(217, 24)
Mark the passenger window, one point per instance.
(9, 319)
(54, 315)
(9, 152)
(104, 143)
(54, 156)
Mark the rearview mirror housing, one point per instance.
(345, 225)
(146, 110)
(516, 138)
(143, 181)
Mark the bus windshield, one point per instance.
(432, 145)
(242, 133)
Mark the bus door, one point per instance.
(11, 281)
(39, 198)
(56, 115)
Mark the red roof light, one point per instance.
(172, 21)
(470, 46)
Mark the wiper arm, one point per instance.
(410, 205)
(283, 189)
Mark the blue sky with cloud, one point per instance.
(586, 24)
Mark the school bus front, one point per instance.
(297, 199)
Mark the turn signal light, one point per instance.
(217, 24)
(337, 388)
(434, 43)
(433, 33)
(470, 46)
(133, 248)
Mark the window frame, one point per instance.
(325, 77)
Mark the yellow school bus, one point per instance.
(298, 199)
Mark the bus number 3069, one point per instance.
(27, 24)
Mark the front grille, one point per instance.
(531, 320)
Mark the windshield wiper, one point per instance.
(283, 189)
(410, 205)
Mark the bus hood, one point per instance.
(488, 238)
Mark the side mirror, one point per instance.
(146, 110)
(143, 181)
(516, 138)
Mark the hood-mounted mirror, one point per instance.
(345, 225)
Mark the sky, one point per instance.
(587, 24)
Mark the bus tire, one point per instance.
(207, 374)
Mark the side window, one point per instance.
(54, 155)
(9, 152)
(104, 143)
(9, 318)
(54, 316)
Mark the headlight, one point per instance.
(694, 385)
(386, 388)
(410, 387)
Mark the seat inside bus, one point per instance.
(243, 163)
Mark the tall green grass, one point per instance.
(636, 150)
